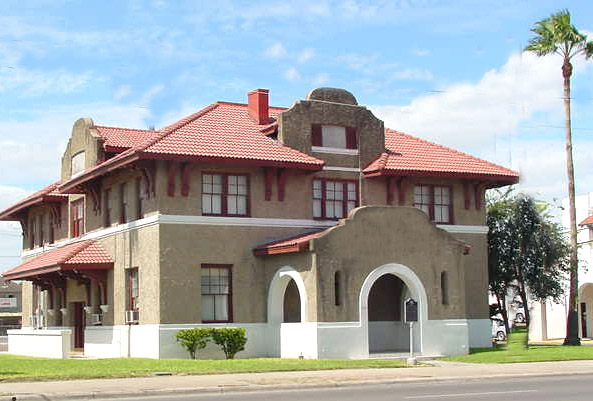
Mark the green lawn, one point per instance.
(537, 353)
(515, 351)
(17, 368)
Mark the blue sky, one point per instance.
(452, 72)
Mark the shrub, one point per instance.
(230, 340)
(193, 339)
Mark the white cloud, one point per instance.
(413, 74)
(146, 98)
(421, 52)
(306, 55)
(122, 91)
(29, 83)
(508, 117)
(321, 79)
(292, 74)
(276, 50)
(43, 137)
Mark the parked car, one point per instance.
(516, 312)
(499, 332)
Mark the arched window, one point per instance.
(338, 288)
(444, 288)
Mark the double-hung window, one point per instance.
(435, 201)
(217, 291)
(77, 218)
(140, 192)
(333, 199)
(133, 289)
(225, 194)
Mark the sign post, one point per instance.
(411, 316)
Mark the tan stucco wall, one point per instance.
(376, 236)
(476, 275)
(294, 129)
(83, 138)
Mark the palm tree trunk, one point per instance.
(572, 323)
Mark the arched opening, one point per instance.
(393, 335)
(387, 331)
(586, 310)
(292, 304)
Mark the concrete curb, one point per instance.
(268, 387)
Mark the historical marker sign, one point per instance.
(411, 310)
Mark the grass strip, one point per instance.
(535, 353)
(18, 368)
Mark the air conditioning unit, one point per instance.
(96, 319)
(132, 316)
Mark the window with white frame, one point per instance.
(225, 194)
(216, 302)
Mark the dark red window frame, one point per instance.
(107, 207)
(139, 199)
(77, 218)
(225, 193)
(124, 203)
(32, 230)
(344, 200)
(133, 299)
(317, 137)
(230, 292)
(432, 204)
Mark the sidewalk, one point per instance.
(109, 388)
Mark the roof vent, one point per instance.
(258, 106)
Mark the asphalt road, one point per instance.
(557, 388)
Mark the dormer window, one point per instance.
(78, 161)
(334, 139)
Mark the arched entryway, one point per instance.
(586, 310)
(382, 298)
(287, 316)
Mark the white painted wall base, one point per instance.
(345, 340)
(40, 343)
(480, 333)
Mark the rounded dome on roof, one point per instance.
(335, 95)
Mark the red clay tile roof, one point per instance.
(47, 194)
(119, 139)
(85, 255)
(296, 243)
(408, 155)
(224, 131)
(587, 221)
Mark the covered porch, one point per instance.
(69, 292)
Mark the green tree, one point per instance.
(556, 35)
(526, 250)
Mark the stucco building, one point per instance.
(308, 226)
(549, 318)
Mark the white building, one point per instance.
(550, 322)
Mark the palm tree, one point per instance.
(557, 35)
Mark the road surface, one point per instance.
(556, 388)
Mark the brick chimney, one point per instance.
(258, 106)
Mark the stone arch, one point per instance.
(276, 292)
(414, 286)
(586, 313)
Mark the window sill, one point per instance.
(338, 151)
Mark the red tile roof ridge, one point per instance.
(511, 172)
(180, 123)
(587, 221)
(224, 102)
(126, 129)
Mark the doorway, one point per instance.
(79, 324)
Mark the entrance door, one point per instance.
(79, 324)
(584, 319)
